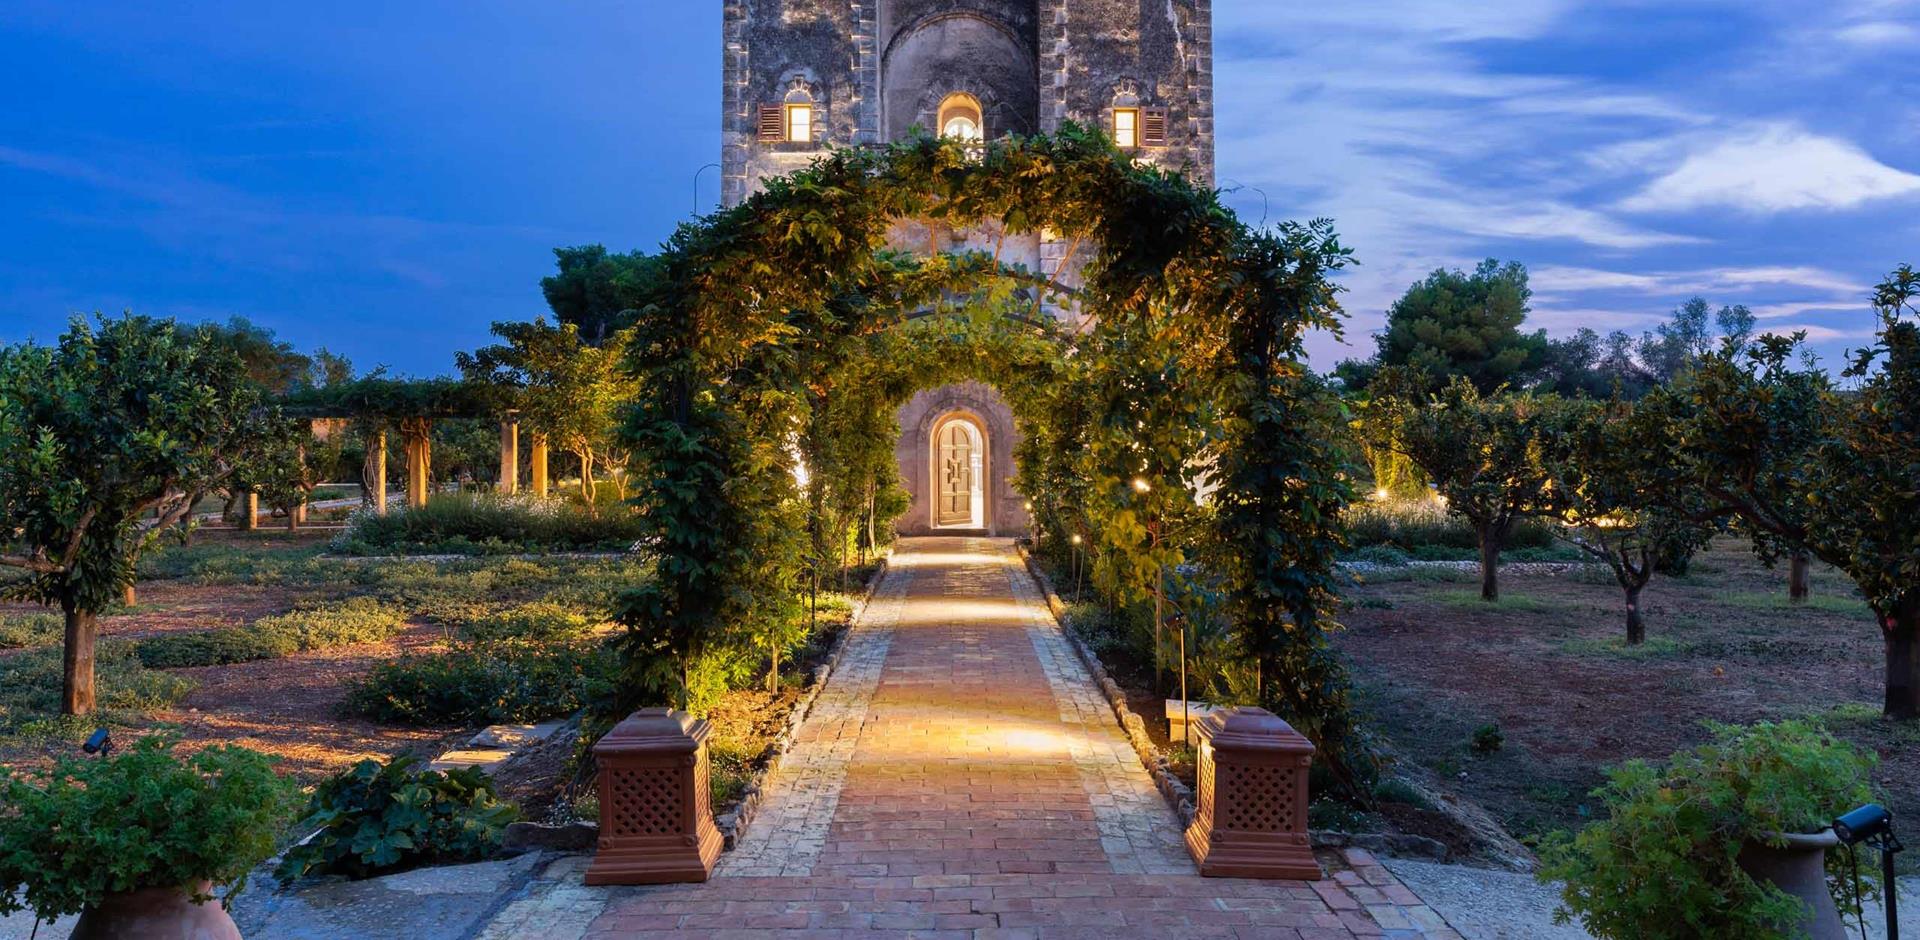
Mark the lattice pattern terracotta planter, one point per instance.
(656, 811)
(1250, 814)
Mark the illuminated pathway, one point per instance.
(961, 776)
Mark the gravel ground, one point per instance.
(1485, 904)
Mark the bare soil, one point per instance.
(1548, 665)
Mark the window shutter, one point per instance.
(773, 123)
(1153, 127)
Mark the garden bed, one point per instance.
(1548, 668)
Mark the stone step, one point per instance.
(514, 736)
(487, 759)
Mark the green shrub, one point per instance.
(26, 631)
(1663, 863)
(376, 818)
(1385, 556)
(350, 622)
(1414, 523)
(30, 684)
(1487, 739)
(536, 623)
(479, 684)
(216, 563)
(214, 647)
(142, 818)
(488, 524)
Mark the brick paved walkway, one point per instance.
(961, 776)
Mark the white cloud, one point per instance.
(1705, 281)
(1772, 168)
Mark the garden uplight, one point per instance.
(1140, 485)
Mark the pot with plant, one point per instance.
(138, 842)
(1726, 840)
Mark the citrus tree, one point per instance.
(1483, 454)
(1604, 474)
(104, 437)
(1762, 436)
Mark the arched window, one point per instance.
(799, 107)
(960, 118)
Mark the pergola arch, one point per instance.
(788, 321)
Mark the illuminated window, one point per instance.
(800, 123)
(960, 118)
(1126, 127)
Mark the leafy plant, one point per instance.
(1664, 863)
(375, 818)
(143, 818)
(483, 684)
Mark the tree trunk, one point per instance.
(1902, 632)
(1799, 574)
(1489, 564)
(77, 696)
(587, 486)
(773, 670)
(1636, 625)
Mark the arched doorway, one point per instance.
(958, 473)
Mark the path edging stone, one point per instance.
(1178, 795)
(733, 823)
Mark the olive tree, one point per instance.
(104, 437)
(1483, 455)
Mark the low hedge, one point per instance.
(30, 683)
(485, 683)
(489, 524)
(26, 631)
(349, 622)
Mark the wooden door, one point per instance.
(955, 506)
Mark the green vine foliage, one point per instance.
(782, 333)
(1664, 864)
(144, 818)
(374, 818)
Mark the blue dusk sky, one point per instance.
(386, 179)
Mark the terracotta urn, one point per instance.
(1800, 869)
(156, 914)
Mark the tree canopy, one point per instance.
(106, 438)
(1453, 323)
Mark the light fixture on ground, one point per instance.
(1872, 825)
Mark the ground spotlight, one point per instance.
(1872, 825)
(101, 743)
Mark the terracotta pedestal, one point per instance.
(1250, 812)
(656, 812)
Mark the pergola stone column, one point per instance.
(377, 458)
(537, 461)
(419, 437)
(510, 454)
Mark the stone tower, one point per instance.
(801, 75)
